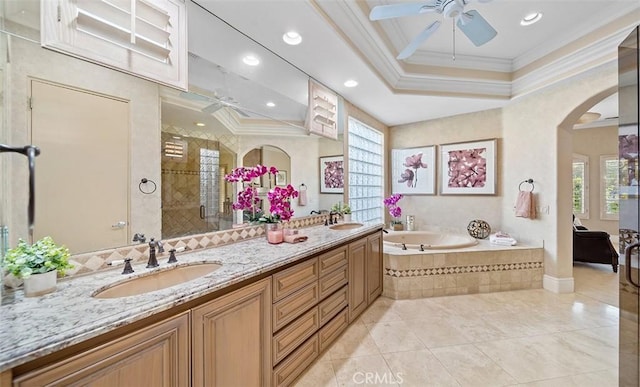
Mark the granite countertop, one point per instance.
(34, 327)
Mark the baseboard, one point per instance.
(557, 285)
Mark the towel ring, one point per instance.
(303, 186)
(528, 181)
(145, 181)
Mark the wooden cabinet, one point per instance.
(365, 273)
(357, 278)
(266, 332)
(158, 355)
(374, 267)
(232, 338)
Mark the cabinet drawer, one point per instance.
(332, 305)
(286, 310)
(333, 281)
(294, 278)
(295, 334)
(295, 364)
(333, 329)
(332, 260)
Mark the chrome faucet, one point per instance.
(153, 245)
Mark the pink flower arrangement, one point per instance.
(280, 200)
(248, 200)
(392, 204)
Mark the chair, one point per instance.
(593, 247)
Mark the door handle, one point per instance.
(627, 263)
(202, 212)
(120, 224)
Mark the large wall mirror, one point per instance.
(156, 166)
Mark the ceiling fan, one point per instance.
(472, 24)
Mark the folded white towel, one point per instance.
(502, 239)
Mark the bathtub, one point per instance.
(428, 240)
(452, 264)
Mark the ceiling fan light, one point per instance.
(292, 38)
(531, 18)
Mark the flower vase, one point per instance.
(275, 233)
(40, 284)
(347, 218)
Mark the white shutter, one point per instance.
(143, 37)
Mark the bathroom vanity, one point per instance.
(259, 320)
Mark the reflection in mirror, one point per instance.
(227, 96)
(269, 156)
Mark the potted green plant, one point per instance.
(344, 210)
(38, 265)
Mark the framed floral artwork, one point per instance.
(281, 178)
(332, 174)
(413, 170)
(468, 168)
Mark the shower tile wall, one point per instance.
(190, 179)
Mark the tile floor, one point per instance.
(524, 338)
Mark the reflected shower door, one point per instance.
(190, 185)
(629, 339)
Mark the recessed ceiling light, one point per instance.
(351, 83)
(271, 104)
(251, 60)
(531, 18)
(199, 123)
(292, 38)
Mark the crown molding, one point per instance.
(258, 127)
(529, 72)
(352, 23)
(597, 54)
(550, 46)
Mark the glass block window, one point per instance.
(581, 186)
(366, 180)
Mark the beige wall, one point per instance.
(593, 143)
(452, 212)
(535, 141)
(538, 144)
(304, 153)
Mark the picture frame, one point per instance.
(413, 170)
(281, 178)
(468, 168)
(332, 174)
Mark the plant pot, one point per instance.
(347, 218)
(275, 233)
(397, 226)
(39, 284)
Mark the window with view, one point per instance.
(365, 167)
(609, 167)
(581, 186)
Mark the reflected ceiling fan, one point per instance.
(472, 24)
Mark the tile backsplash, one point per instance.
(94, 261)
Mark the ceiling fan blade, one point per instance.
(417, 41)
(398, 10)
(478, 30)
(214, 107)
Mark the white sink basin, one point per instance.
(157, 280)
